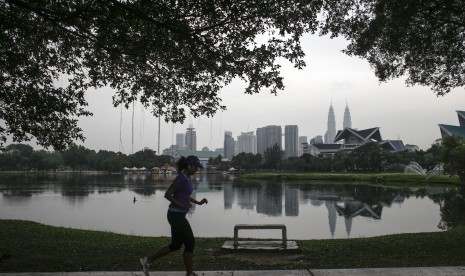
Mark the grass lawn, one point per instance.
(389, 178)
(28, 246)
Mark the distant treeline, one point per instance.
(366, 158)
(369, 157)
(22, 157)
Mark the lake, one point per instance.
(308, 209)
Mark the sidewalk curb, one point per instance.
(405, 271)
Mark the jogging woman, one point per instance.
(179, 194)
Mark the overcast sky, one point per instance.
(411, 114)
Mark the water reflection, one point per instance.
(359, 210)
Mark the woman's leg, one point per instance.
(175, 220)
(189, 243)
(188, 260)
(160, 253)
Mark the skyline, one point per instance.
(411, 114)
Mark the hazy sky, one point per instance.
(408, 113)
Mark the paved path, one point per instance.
(417, 271)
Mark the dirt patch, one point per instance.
(266, 257)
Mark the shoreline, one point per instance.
(355, 177)
(278, 175)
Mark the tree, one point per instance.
(273, 156)
(173, 55)
(144, 158)
(342, 161)
(420, 39)
(169, 55)
(108, 161)
(368, 157)
(76, 156)
(294, 164)
(246, 161)
(453, 156)
(162, 160)
(20, 156)
(45, 161)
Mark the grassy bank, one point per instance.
(28, 246)
(355, 177)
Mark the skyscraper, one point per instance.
(247, 142)
(331, 132)
(317, 140)
(268, 136)
(302, 140)
(228, 145)
(347, 123)
(291, 140)
(181, 140)
(191, 138)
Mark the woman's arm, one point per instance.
(203, 201)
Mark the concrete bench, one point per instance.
(238, 227)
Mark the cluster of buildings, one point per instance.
(288, 139)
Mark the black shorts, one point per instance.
(181, 232)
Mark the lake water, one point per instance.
(309, 210)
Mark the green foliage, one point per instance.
(218, 164)
(147, 158)
(247, 161)
(342, 161)
(273, 156)
(47, 161)
(20, 157)
(169, 55)
(173, 55)
(108, 161)
(292, 164)
(453, 156)
(452, 209)
(77, 157)
(420, 39)
(349, 178)
(366, 158)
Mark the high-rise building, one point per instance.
(220, 151)
(191, 138)
(291, 140)
(228, 145)
(171, 150)
(181, 140)
(331, 132)
(347, 123)
(317, 140)
(302, 140)
(269, 136)
(247, 142)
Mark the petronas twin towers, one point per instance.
(331, 132)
